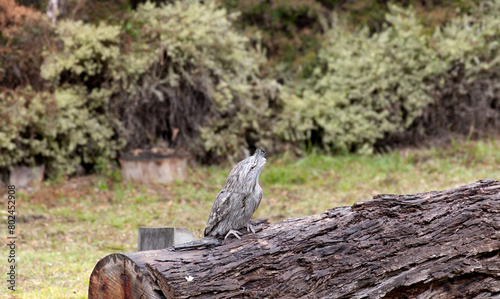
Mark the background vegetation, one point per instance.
(222, 78)
(367, 87)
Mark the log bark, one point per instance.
(442, 244)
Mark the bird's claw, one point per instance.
(250, 228)
(234, 233)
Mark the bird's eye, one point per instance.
(252, 167)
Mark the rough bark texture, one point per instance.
(430, 245)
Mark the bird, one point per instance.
(235, 204)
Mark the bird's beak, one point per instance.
(260, 152)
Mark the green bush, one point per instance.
(290, 30)
(367, 87)
(180, 69)
(71, 125)
(178, 74)
(90, 55)
(60, 129)
(201, 78)
(466, 95)
(204, 80)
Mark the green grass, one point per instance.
(65, 229)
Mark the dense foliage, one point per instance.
(466, 94)
(193, 76)
(179, 75)
(203, 81)
(292, 30)
(368, 87)
(62, 130)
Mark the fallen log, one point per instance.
(442, 244)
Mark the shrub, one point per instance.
(61, 130)
(203, 80)
(290, 30)
(466, 96)
(369, 87)
(83, 73)
(63, 121)
(188, 78)
(466, 93)
(188, 72)
(90, 55)
(365, 86)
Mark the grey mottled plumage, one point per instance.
(237, 201)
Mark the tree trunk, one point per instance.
(55, 9)
(430, 245)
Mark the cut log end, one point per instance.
(119, 276)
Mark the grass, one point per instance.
(65, 229)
